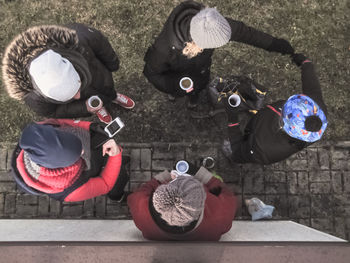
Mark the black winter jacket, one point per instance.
(265, 141)
(165, 63)
(89, 42)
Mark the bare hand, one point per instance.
(173, 175)
(92, 110)
(111, 148)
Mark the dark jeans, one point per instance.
(117, 191)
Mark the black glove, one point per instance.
(298, 59)
(282, 46)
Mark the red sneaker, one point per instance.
(124, 101)
(104, 115)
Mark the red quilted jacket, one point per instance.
(53, 181)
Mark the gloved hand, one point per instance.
(298, 59)
(163, 177)
(282, 46)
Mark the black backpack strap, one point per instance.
(274, 110)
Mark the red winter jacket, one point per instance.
(219, 212)
(95, 186)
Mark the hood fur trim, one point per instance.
(25, 47)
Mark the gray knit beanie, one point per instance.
(181, 201)
(209, 29)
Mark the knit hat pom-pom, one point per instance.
(181, 201)
(167, 198)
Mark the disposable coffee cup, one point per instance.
(182, 167)
(208, 162)
(95, 102)
(234, 100)
(186, 84)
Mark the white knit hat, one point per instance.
(54, 76)
(209, 29)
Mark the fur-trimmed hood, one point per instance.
(27, 46)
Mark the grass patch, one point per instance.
(319, 28)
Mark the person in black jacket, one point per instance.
(185, 46)
(282, 128)
(55, 69)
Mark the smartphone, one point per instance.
(114, 127)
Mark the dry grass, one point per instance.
(319, 28)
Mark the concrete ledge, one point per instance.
(125, 231)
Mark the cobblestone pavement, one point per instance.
(311, 187)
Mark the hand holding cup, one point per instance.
(93, 104)
(186, 84)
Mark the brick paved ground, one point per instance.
(311, 187)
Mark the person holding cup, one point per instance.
(281, 128)
(183, 204)
(186, 44)
(56, 69)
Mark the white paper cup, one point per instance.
(182, 167)
(95, 102)
(208, 162)
(234, 100)
(187, 88)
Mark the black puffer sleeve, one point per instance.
(249, 35)
(99, 44)
(311, 85)
(157, 69)
(44, 108)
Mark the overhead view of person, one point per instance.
(282, 128)
(176, 206)
(56, 69)
(186, 44)
(67, 161)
